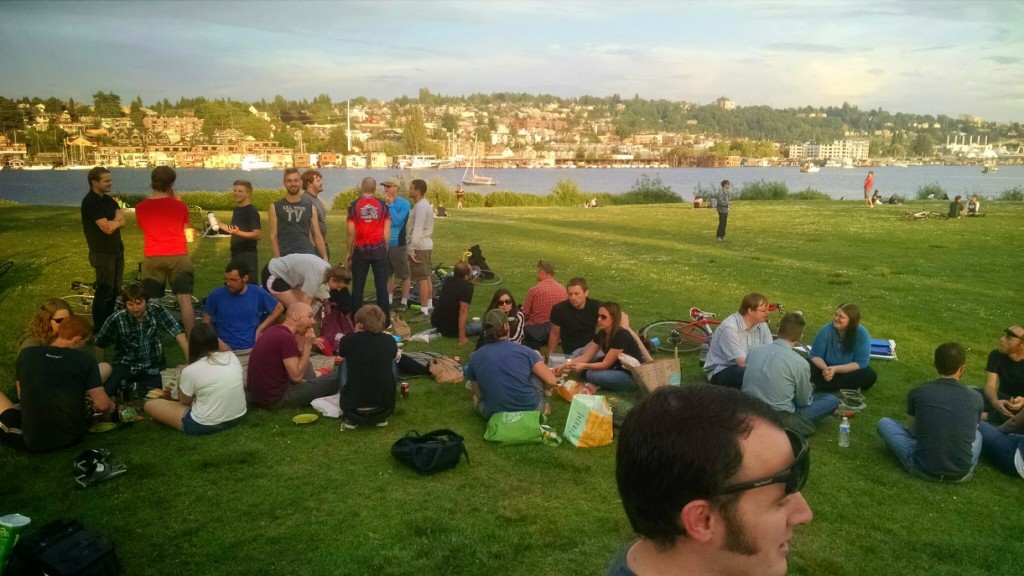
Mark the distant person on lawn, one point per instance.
(779, 376)
(506, 376)
(366, 377)
(943, 442)
(240, 312)
(710, 482)
(135, 333)
(723, 209)
(974, 206)
(540, 299)
(734, 337)
(211, 396)
(869, 184)
(279, 371)
(1004, 375)
(841, 352)
(245, 229)
(165, 225)
(53, 382)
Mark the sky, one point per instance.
(928, 57)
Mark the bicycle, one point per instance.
(437, 277)
(688, 335)
(84, 296)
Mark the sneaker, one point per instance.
(346, 425)
(400, 307)
(103, 471)
(85, 462)
(426, 311)
(383, 424)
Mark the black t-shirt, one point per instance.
(577, 325)
(54, 382)
(95, 207)
(621, 340)
(369, 360)
(247, 218)
(1011, 374)
(446, 315)
(946, 415)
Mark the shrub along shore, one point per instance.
(270, 497)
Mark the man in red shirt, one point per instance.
(369, 234)
(165, 224)
(869, 183)
(537, 307)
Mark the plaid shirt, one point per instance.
(138, 345)
(540, 299)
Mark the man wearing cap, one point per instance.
(312, 186)
(506, 376)
(369, 235)
(420, 237)
(398, 257)
(537, 307)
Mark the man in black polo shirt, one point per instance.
(102, 220)
(943, 442)
(1004, 375)
(452, 310)
(573, 321)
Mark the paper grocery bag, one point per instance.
(590, 421)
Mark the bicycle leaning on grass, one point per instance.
(689, 335)
(81, 301)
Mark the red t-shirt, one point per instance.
(869, 182)
(370, 216)
(163, 222)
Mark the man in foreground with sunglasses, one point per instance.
(710, 482)
(1004, 376)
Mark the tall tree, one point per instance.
(135, 112)
(414, 133)
(107, 105)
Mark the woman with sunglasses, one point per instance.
(504, 301)
(42, 329)
(841, 352)
(599, 363)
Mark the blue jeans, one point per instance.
(1000, 448)
(614, 380)
(902, 443)
(360, 270)
(474, 328)
(820, 407)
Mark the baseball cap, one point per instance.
(494, 323)
(391, 182)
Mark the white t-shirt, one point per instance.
(215, 385)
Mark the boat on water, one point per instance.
(989, 168)
(250, 162)
(810, 168)
(417, 162)
(37, 167)
(81, 167)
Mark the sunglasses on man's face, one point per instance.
(1010, 334)
(794, 477)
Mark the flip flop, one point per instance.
(103, 471)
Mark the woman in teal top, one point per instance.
(841, 352)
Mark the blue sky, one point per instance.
(949, 57)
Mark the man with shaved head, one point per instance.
(279, 371)
(369, 234)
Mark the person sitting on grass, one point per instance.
(53, 382)
(506, 376)
(1004, 375)
(280, 374)
(135, 333)
(613, 340)
(943, 442)
(778, 375)
(741, 331)
(42, 329)
(211, 397)
(452, 311)
(366, 377)
(1004, 445)
(841, 351)
(504, 300)
(956, 207)
(974, 206)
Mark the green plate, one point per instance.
(305, 418)
(102, 427)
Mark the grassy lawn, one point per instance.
(270, 497)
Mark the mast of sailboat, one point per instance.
(348, 124)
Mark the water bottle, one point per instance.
(337, 342)
(213, 222)
(704, 352)
(844, 433)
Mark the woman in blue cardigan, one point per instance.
(840, 353)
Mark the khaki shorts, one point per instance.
(398, 258)
(159, 271)
(421, 270)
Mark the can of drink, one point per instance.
(405, 389)
(457, 360)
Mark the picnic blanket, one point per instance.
(881, 349)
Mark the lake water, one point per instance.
(66, 188)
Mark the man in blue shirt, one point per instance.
(397, 254)
(240, 312)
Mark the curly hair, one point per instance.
(39, 328)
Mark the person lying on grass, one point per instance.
(210, 393)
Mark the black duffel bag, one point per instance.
(430, 453)
(65, 548)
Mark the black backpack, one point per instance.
(430, 453)
(65, 548)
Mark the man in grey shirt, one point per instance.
(737, 334)
(420, 231)
(723, 210)
(312, 186)
(294, 223)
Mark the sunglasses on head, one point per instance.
(794, 477)
(504, 301)
(1010, 334)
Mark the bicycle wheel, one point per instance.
(80, 303)
(487, 278)
(675, 335)
(170, 301)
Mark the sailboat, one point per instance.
(471, 178)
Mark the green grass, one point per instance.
(270, 497)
